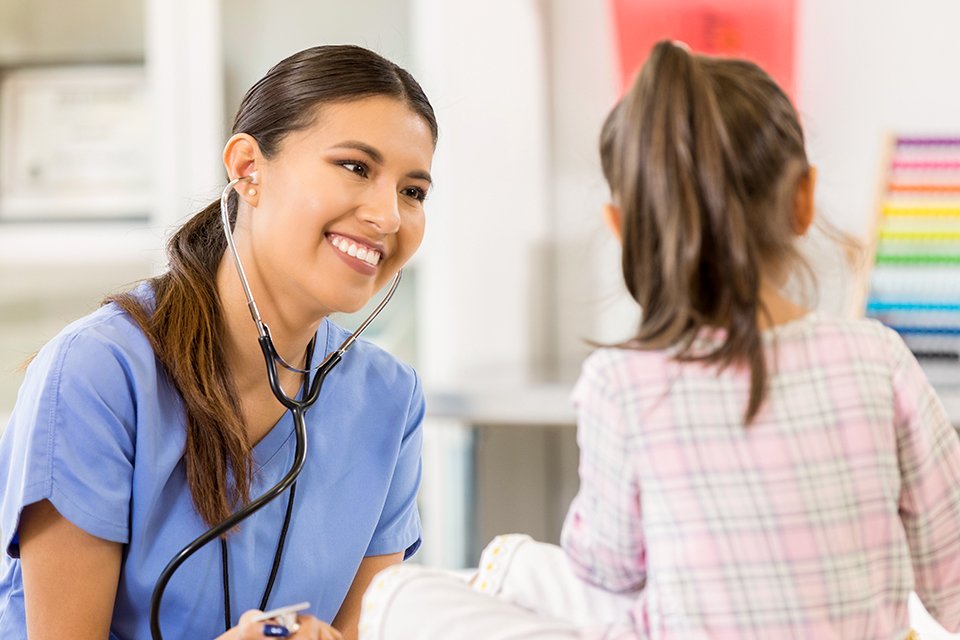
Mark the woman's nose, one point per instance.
(382, 210)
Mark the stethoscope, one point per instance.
(311, 391)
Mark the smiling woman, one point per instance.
(360, 172)
(151, 419)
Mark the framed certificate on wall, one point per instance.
(74, 143)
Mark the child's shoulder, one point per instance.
(606, 358)
(866, 332)
(827, 341)
(864, 326)
(613, 368)
(858, 338)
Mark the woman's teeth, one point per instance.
(360, 252)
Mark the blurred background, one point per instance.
(113, 114)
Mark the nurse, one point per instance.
(143, 424)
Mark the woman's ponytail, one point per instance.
(184, 326)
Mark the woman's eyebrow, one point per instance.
(420, 175)
(374, 154)
(377, 157)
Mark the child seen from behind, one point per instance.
(748, 469)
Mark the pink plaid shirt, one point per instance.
(814, 522)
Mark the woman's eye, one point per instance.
(355, 167)
(416, 193)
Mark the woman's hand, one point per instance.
(313, 629)
(310, 629)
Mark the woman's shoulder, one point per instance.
(107, 338)
(391, 387)
(73, 430)
(373, 363)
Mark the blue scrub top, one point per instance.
(99, 430)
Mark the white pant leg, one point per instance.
(539, 577)
(523, 589)
(414, 603)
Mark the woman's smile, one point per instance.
(357, 254)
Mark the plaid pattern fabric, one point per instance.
(817, 520)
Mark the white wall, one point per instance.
(206, 77)
(864, 70)
(482, 261)
(517, 268)
(590, 301)
(53, 31)
(258, 34)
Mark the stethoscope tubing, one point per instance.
(297, 408)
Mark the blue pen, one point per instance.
(285, 616)
(275, 631)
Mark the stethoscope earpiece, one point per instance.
(254, 177)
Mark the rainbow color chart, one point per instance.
(915, 282)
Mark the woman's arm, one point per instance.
(349, 615)
(69, 576)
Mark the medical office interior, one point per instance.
(517, 273)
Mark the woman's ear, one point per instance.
(803, 201)
(240, 159)
(614, 220)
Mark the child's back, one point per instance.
(748, 469)
(816, 520)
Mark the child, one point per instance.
(748, 469)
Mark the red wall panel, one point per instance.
(759, 30)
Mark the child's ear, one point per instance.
(614, 219)
(803, 202)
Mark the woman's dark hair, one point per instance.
(185, 324)
(703, 156)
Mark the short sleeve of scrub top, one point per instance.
(99, 430)
(399, 527)
(73, 442)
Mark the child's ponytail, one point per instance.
(696, 156)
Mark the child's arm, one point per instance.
(929, 455)
(602, 535)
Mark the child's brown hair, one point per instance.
(703, 157)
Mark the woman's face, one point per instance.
(339, 208)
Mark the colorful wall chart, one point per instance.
(915, 283)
